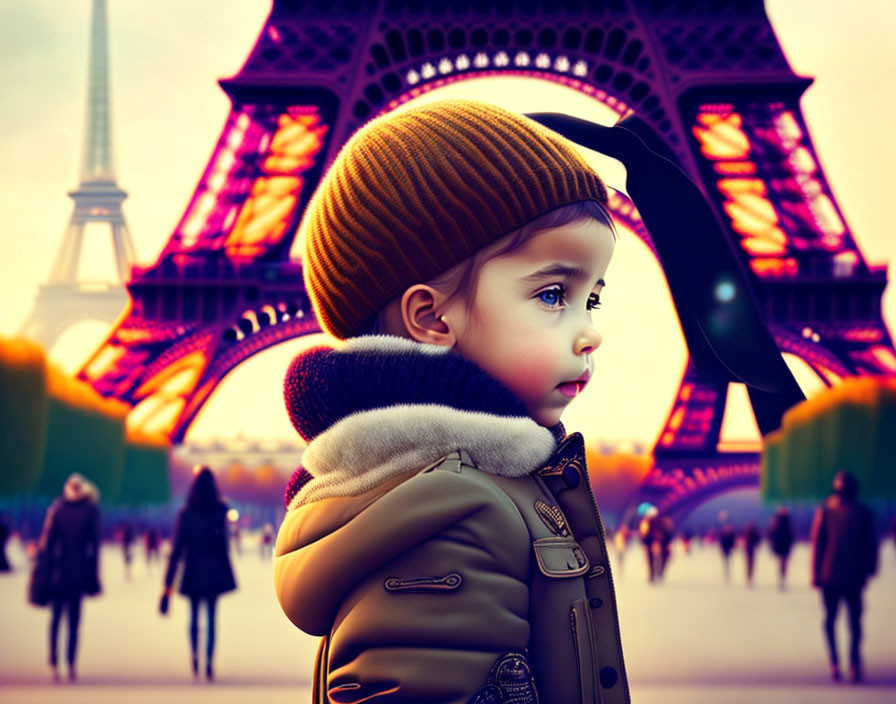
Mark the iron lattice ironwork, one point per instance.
(707, 80)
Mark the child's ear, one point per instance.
(418, 312)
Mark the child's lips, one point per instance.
(571, 388)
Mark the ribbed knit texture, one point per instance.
(324, 385)
(411, 195)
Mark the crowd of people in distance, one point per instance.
(65, 562)
(843, 540)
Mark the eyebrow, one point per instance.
(569, 272)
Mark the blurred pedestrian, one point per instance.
(236, 535)
(70, 542)
(687, 538)
(727, 536)
(665, 532)
(780, 538)
(751, 538)
(267, 541)
(151, 545)
(620, 542)
(647, 536)
(4, 536)
(126, 533)
(844, 557)
(201, 541)
(656, 534)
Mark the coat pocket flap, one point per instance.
(560, 556)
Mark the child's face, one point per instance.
(530, 323)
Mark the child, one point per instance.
(442, 535)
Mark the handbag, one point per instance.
(39, 581)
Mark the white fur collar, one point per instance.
(393, 344)
(366, 448)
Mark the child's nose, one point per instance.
(587, 341)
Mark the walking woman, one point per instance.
(70, 542)
(200, 540)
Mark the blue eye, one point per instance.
(552, 297)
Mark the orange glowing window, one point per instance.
(164, 396)
(266, 214)
(676, 420)
(735, 168)
(177, 379)
(753, 216)
(721, 137)
(884, 356)
(155, 416)
(774, 266)
(103, 361)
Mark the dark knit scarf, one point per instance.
(347, 390)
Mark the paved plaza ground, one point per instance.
(692, 639)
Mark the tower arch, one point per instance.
(709, 80)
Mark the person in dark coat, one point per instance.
(200, 540)
(727, 537)
(752, 538)
(844, 557)
(71, 540)
(780, 538)
(4, 536)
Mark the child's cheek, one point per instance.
(532, 375)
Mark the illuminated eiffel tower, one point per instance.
(711, 89)
(64, 299)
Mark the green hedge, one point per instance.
(82, 440)
(52, 425)
(145, 479)
(23, 415)
(851, 426)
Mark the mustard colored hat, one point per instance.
(412, 194)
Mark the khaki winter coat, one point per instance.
(423, 583)
(439, 541)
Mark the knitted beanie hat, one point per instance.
(412, 194)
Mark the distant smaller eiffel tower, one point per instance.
(64, 299)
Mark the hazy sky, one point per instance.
(168, 111)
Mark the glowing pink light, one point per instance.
(225, 160)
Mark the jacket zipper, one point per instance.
(586, 661)
(603, 537)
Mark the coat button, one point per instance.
(596, 603)
(608, 677)
(571, 476)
